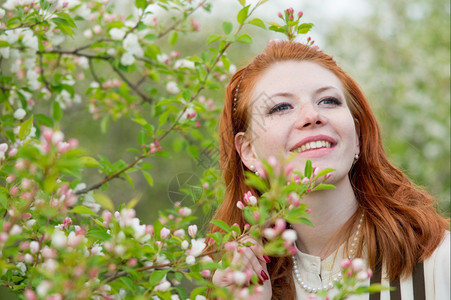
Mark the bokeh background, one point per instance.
(398, 51)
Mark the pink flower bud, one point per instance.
(279, 14)
(185, 211)
(305, 180)
(132, 262)
(192, 230)
(30, 295)
(12, 152)
(34, 247)
(345, 263)
(179, 233)
(256, 215)
(205, 273)
(10, 178)
(28, 258)
(106, 216)
(240, 205)
(280, 225)
(300, 14)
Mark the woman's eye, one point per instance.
(330, 101)
(280, 107)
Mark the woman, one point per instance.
(294, 98)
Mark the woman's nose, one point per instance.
(309, 116)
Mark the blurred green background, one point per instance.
(398, 51)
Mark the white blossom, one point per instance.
(184, 63)
(162, 286)
(131, 44)
(59, 239)
(34, 246)
(22, 267)
(185, 245)
(43, 288)
(197, 246)
(30, 41)
(2, 13)
(15, 230)
(190, 260)
(117, 34)
(127, 59)
(11, 4)
(88, 34)
(289, 235)
(4, 52)
(172, 87)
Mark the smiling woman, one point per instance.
(294, 98)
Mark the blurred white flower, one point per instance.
(197, 246)
(117, 34)
(19, 114)
(43, 288)
(147, 19)
(184, 63)
(88, 34)
(2, 13)
(59, 239)
(30, 41)
(4, 52)
(11, 4)
(162, 286)
(127, 59)
(172, 87)
(131, 44)
(190, 260)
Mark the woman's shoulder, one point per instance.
(437, 270)
(441, 254)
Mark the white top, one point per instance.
(316, 273)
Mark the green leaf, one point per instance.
(157, 276)
(242, 2)
(324, 172)
(90, 162)
(257, 22)
(104, 201)
(57, 113)
(308, 169)
(141, 4)
(244, 38)
(148, 178)
(173, 38)
(221, 224)
(227, 27)
(242, 14)
(213, 38)
(42, 119)
(25, 128)
(324, 186)
(132, 203)
(81, 209)
(4, 44)
(142, 137)
(304, 28)
(128, 283)
(98, 233)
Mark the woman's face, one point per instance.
(299, 107)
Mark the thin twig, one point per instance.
(110, 177)
(178, 22)
(41, 71)
(134, 87)
(94, 75)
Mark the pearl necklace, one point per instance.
(330, 285)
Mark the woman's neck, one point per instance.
(330, 210)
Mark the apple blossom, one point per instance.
(289, 235)
(197, 246)
(185, 244)
(172, 88)
(239, 277)
(357, 264)
(34, 246)
(179, 233)
(59, 239)
(192, 230)
(240, 205)
(190, 260)
(16, 229)
(162, 286)
(164, 232)
(19, 114)
(185, 211)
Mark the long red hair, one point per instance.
(401, 224)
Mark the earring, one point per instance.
(256, 173)
(252, 168)
(356, 156)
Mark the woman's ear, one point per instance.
(245, 149)
(357, 131)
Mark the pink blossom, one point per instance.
(280, 225)
(28, 258)
(12, 152)
(30, 295)
(256, 215)
(197, 246)
(205, 273)
(305, 180)
(10, 178)
(73, 239)
(106, 216)
(67, 222)
(14, 190)
(185, 244)
(362, 275)
(16, 229)
(345, 263)
(48, 252)
(300, 14)
(185, 211)
(132, 262)
(279, 14)
(240, 205)
(296, 178)
(192, 230)
(164, 232)
(290, 10)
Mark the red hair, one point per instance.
(401, 224)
